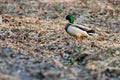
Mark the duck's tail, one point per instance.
(91, 32)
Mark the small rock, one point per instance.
(7, 77)
(117, 52)
(91, 66)
(6, 52)
(57, 63)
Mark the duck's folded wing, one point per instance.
(82, 27)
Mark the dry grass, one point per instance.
(39, 48)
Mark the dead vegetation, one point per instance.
(35, 46)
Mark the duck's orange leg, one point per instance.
(78, 38)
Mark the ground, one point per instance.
(35, 46)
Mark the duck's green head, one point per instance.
(70, 18)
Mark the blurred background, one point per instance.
(35, 46)
(101, 12)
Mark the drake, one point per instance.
(76, 30)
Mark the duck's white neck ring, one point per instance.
(66, 27)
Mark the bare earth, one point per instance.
(35, 46)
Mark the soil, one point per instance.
(35, 46)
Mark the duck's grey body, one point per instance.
(77, 30)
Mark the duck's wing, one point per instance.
(84, 28)
(81, 27)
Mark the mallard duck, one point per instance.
(76, 30)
